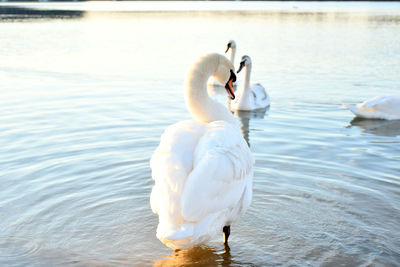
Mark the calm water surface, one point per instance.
(85, 96)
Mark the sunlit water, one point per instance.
(85, 96)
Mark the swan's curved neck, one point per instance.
(246, 84)
(199, 103)
(233, 53)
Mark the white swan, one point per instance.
(249, 97)
(202, 168)
(379, 107)
(232, 47)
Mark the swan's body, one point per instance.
(231, 46)
(250, 97)
(379, 107)
(202, 168)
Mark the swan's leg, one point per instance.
(227, 232)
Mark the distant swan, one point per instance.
(232, 47)
(249, 97)
(379, 107)
(202, 168)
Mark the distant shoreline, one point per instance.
(50, 8)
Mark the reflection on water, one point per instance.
(254, 114)
(390, 128)
(219, 94)
(198, 256)
(201, 256)
(246, 116)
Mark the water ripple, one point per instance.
(76, 138)
(14, 248)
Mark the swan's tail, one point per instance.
(176, 236)
(174, 232)
(187, 235)
(353, 108)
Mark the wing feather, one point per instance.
(171, 163)
(222, 166)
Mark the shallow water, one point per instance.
(85, 96)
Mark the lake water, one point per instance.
(86, 93)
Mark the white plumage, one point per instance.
(202, 168)
(379, 107)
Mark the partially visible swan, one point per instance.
(249, 97)
(379, 107)
(232, 47)
(202, 168)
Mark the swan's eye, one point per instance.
(242, 64)
(227, 47)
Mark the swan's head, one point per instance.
(245, 61)
(225, 74)
(231, 45)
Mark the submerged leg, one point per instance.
(227, 231)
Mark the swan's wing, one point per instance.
(376, 101)
(388, 104)
(389, 107)
(261, 97)
(222, 168)
(259, 91)
(170, 164)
